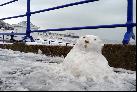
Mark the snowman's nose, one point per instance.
(86, 41)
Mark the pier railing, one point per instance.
(129, 24)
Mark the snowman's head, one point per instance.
(90, 43)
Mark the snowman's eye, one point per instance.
(84, 37)
(95, 39)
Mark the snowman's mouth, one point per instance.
(85, 46)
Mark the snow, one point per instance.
(37, 72)
(5, 43)
(50, 43)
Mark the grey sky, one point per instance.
(102, 12)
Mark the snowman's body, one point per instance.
(86, 59)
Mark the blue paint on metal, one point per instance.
(63, 6)
(12, 33)
(28, 18)
(19, 16)
(25, 38)
(87, 27)
(28, 29)
(54, 8)
(129, 34)
(8, 2)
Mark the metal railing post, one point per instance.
(28, 29)
(28, 18)
(129, 34)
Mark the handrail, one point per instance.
(12, 33)
(87, 27)
(128, 35)
(8, 2)
(53, 8)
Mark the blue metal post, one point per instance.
(28, 18)
(28, 29)
(129, 34)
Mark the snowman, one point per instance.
(85, 60)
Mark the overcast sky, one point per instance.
(97, 13)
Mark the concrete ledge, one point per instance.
(119, 56)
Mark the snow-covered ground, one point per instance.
(54, 42)
(5, 43)
(32, 72)
(66, 41)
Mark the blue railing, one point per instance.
(128, 35)
(8, 2)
